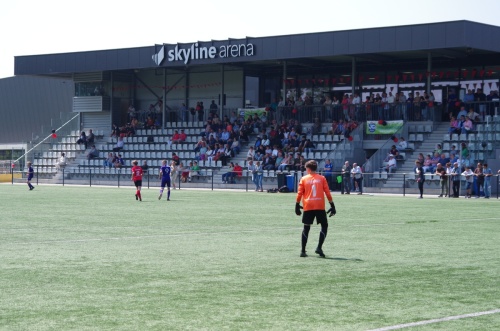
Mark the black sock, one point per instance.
(305, 234)
(322, 234)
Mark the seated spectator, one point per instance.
(176, 138)
(62, 162)
(391, 165)
(115, 131)
(202, 156)
(268, 162)
(194, 170)
(402, 145)
(238, 170)
(119, 145)
(90, 137)
(438, 150)
(145, 166)
(308, 147)
(251, 153)
(299, 163)
(82, 139)
(394, 152)
(210, 154)
(473, 116)
(184, 171)
(467, 126)
(108, 162)
(235, 147)
(286, 163)
(119, 162)
(435, 160)
(182, 136)
(443, 160)
(228, 176)
(93, 153)
(454, 127)
(427, 165)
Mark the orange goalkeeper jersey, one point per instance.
(312, 190)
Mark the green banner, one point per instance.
(383, 127)
(249, 112)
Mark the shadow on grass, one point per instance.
(340, 259)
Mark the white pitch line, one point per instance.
(437, 320)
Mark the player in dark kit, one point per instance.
(164, 175)
(137, 179)
(29, 175)
(312, 191)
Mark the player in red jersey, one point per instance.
(137, 179)
(312, 191)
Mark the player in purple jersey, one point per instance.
(164, 175)
(29, 175)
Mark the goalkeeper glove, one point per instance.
(332, 210)
(298, 207)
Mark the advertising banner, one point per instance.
(383, 127)
(249, 112)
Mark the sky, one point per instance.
(32, 27)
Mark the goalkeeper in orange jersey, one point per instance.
(312, 190)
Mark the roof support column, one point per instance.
(164, 104)
(429, 68)
(221, 95)
(284, 81)
(353, 75)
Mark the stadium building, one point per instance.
(244, 75)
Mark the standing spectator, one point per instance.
(200, 110)
(312, 191)
(93, 153)
(82, 139)
(62, 162)
(137, 179)
(478, 173)
(259, 175)
(487, 180)
(469, 178)
(213, 108)
(328, 173)
(29, 175)
(346, 175)
(184, 112)
(443, 180)
(357, 174)
(419, 171)
(173, 173)
(176, 158)
(455, 179)
(164, 175)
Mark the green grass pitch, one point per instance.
(81, 258)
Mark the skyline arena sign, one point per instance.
(196, 52)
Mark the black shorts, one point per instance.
(309, 216)
(138, 183)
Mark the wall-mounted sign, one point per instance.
(197, 52)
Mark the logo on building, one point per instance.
(197, 52)
(160, 56)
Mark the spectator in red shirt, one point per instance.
(176, 138)
(182, 136)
